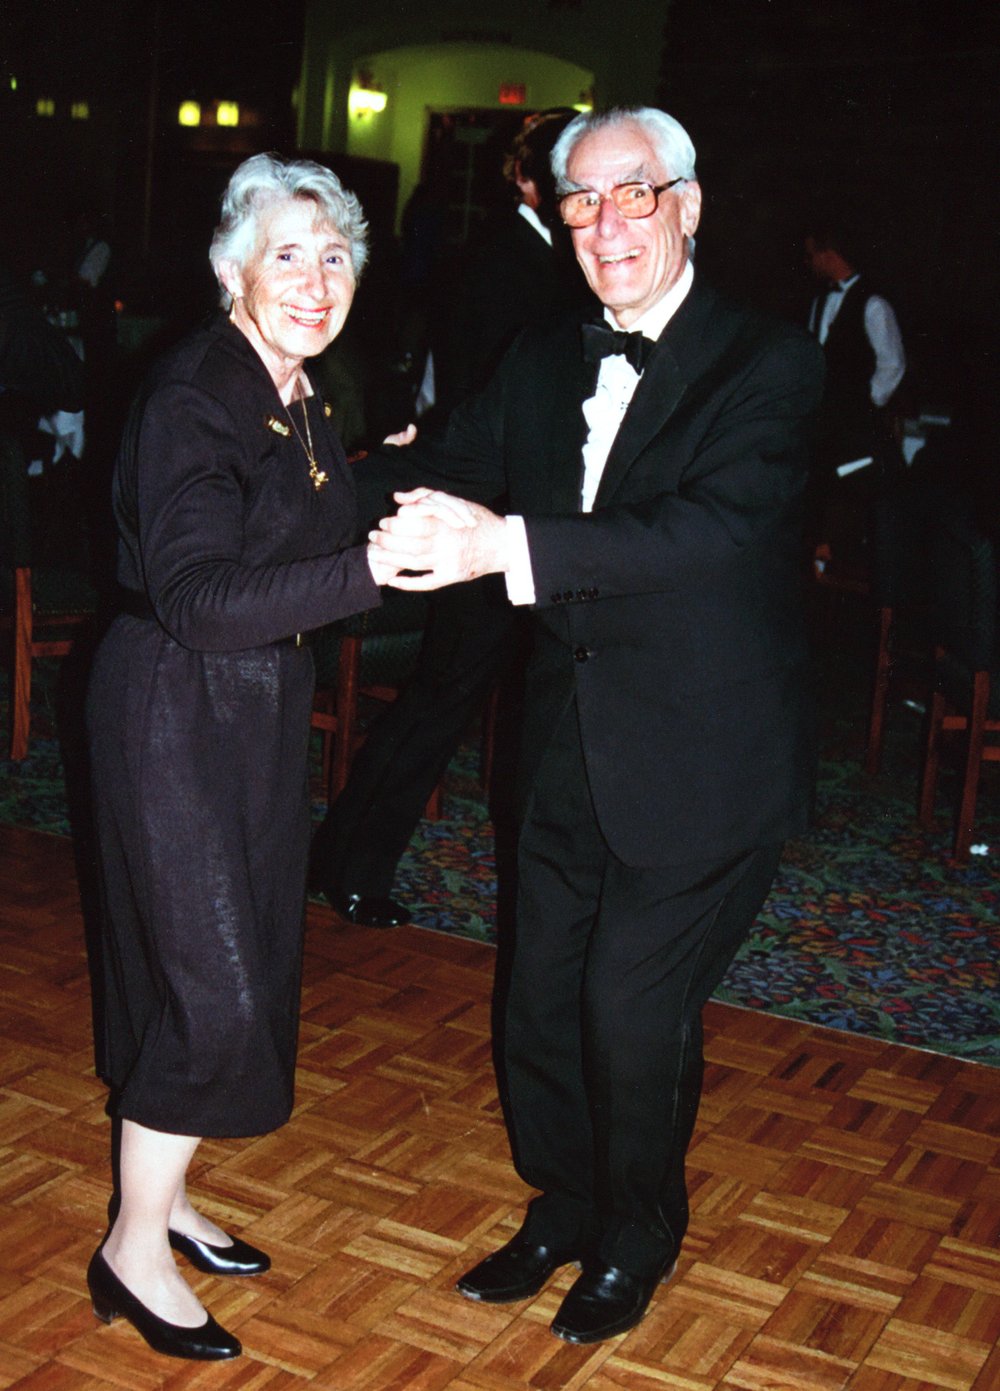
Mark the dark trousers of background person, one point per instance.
(467, 644)
(840, 511)
(601, 1057)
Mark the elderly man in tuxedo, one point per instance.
(654, 465)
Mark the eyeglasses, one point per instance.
(583, 208)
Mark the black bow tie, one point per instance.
(600, 341)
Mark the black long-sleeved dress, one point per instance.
(198, 715)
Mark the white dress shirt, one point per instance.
(617, 380)
(533, 220)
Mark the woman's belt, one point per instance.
(135, 603)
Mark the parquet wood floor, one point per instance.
(846, 1194)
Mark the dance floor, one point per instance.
(870, 926)
(845, 1193)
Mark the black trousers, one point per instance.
(601, 1053)
(467, 642)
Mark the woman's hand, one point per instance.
(436, 539)
(383, 568)
(416, 507)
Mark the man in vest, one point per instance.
(865, 364)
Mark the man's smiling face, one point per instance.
(631, 263)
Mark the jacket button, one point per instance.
(582, 654)
(568, 595)
(556, 598)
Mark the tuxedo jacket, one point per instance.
(670, 613)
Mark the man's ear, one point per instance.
(690, 207)
(527, 188)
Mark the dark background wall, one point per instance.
(882, 109)
(882, 113)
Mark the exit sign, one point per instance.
(512, 93)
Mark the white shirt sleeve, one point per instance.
(519, 578)
(887, 345)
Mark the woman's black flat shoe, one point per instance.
(209, 1342)
(239, 1259)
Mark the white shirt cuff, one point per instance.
(519, 578)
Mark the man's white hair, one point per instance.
(668, 137)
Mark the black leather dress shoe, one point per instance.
(368, 910)
(209, 1342)
(606, 1301)
(239, 1259)
(517, 1271)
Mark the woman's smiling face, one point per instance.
(293, 295)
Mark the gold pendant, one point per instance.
(317, 474)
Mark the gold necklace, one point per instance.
(317, 474)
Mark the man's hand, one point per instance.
(444, 539)
(402, 437)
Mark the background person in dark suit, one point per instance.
(524, 273)
(654, 528)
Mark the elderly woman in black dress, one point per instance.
(236, 517)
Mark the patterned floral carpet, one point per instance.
(869, 928)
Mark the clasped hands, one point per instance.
(436, 539)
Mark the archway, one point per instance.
(449, 111)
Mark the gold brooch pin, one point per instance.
(278, 426)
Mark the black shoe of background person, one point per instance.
(606, 1301)
(517, 1271)
(208, 1342)
(367, 910)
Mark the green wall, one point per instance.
(440, 77)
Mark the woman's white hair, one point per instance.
(668, 137)
(264, 180)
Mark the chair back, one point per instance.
(963, 575)
(391, 636)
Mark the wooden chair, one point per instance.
(33, 597)
(371, 657)
(368, 656)
(963, 576)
